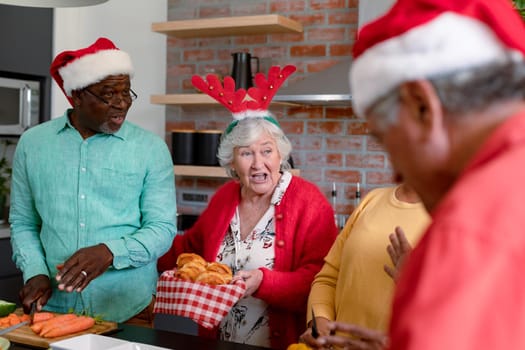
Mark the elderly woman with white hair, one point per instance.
(272, 228)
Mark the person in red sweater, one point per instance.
(272, 228)
(441, 84)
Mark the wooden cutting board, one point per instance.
(24, 335)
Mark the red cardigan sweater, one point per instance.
(305, 230)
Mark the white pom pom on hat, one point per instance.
(76, 69)
(419, 39)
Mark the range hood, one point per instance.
(328, 87)
(331, 87)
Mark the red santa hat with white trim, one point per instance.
(420, 39)
(74, 70)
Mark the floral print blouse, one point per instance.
(247, 321)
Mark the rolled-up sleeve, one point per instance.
(158, 216)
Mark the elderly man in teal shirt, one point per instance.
(93, 196)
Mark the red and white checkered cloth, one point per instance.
(207, 305)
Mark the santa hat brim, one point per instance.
(93, 68)
(448, 43)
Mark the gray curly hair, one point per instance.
(245, 133)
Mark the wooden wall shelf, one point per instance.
(227, 26)
(223, 26)
(209, 171)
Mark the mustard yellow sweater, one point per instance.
(352, 285)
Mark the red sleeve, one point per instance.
(459, 292)
(189, 241)
(310, 219)
(205, 236)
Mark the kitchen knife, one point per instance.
(32, 312)
(315, 332)
(12, 328)
(18, 325)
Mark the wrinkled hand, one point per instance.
(253, 279)
(323, 329)
(398, 249)
(355, 338)
(92, 260)
(36, 290)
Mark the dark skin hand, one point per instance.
(36, 290)
(353, 337)
(93, 260)
(398, 250)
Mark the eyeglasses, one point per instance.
(127, 96)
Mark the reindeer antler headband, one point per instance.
(234, 100)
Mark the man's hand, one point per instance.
(36, 290)
(322, 327)
(398, 249)
(355, 338)
(83, 267)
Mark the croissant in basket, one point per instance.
(192, 267)
(185, 258)
(220, 268)
(190, 271)
(213, 278)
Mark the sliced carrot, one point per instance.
(13, 319)
(24, 317)
(42, 316)
(79, 324)
(38, 327)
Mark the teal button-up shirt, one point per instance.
(68, 193)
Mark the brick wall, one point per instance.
(330, 143)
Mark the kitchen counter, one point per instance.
(166, 339)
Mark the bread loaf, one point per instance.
(190, 257)
(193, 267)
(222, 269)
(212, 278)
(190, 271)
